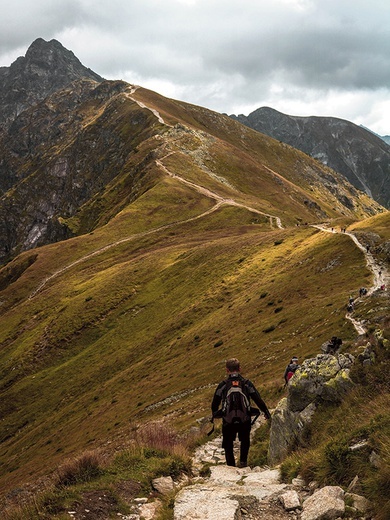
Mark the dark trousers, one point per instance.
(229, 434)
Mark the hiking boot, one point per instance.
(243, 464)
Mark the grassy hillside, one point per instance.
(120, 325)
(152, 317)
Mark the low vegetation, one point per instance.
(349, 443)
(108, 484)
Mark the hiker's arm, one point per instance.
(254, 394)
(217, 399)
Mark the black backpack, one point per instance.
(235, 403)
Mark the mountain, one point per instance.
(385, 138)
(358, 154)
(46, 67)
(74, 160)
(145, 240)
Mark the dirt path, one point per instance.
(117, 243)
(204, 191)
(201, 189)
(133, 88)
(380, 273)
(218, 198)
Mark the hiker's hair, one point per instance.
(233, 365)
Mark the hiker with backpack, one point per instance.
(235, 393)
(290, 369)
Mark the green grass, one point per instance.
(150, 303)
(155, 451)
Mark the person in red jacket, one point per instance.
(242, 428)
(290, 369)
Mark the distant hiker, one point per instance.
(291, 368)
(351, 300)
(235, 394)
(362, 291)
(350, 307)
(333, 345)
(367, 248)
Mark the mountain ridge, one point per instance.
(358, 154)
(56, 140)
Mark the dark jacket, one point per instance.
(249, 389)
(290, 369)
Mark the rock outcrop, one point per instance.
(46, 68)
(321, 379)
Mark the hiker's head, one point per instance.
(232, 365)
(294, 360)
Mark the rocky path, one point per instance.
(381, 275)
(232, 493)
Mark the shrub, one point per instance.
(259, 450)
(157, 435)
(81, 469)
(269, 329)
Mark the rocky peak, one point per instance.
(355, 152)
(46, 68)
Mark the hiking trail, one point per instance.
(219, 201)
(380, 273)
(231, 493)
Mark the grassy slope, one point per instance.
(84, 356)
(145, 316)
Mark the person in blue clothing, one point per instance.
(242, 429)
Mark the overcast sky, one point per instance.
(301, 57)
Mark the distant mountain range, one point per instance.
(385, 138)
(355, 152)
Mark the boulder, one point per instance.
(149, 511)
(323, 378)
(361, 504)
(163, 485)
(290, 500)
(286, 430)
(325, 504)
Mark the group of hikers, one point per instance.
(232, 403)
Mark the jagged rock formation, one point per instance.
(46, 68)
(358, 154)
(321, 379)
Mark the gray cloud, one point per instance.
(223, 54)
